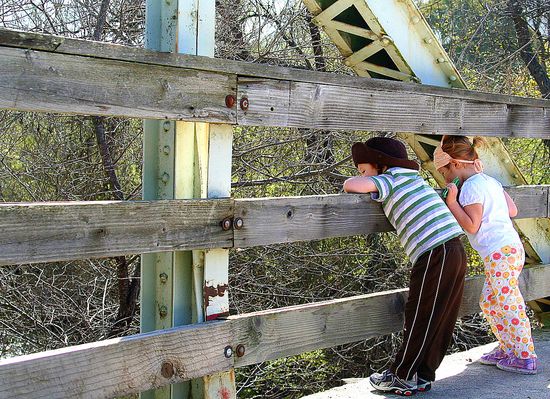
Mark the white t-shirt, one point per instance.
(496, 229)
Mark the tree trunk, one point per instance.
(127, 289)
(528, 54)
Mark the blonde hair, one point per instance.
(460, 147)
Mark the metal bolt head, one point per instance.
(386, 40)
(167, 370)
(166, 149)
(244, 103)
(163, 311)
(163, 277)
(240, 349)
(440, 60)
(226, 224)
(165, 177)
(228, 351)
(230, 101)
(238, 223)
(166, 125)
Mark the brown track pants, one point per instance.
(431, 311)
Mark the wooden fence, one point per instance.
(46, 232)
(52, 74)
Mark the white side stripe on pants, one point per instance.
(431, 315)
(415, 314)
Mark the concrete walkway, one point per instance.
(461, 376)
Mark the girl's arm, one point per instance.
(360, 184)
(469, 217)
(512, 208)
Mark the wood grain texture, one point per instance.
(117, 367)
(531, 201)
(41, 232)
(326, 106)
(289, 331)
(50, 82)
(64, 45)
(289, 219)
(44, 232)
(124, 366)
(519, 109)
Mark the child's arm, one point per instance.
(360, 184)
(512, 208)
(469, 217)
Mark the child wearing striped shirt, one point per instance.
(430, 236)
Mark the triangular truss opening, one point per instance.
(352, 16)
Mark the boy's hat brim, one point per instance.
(365, 153)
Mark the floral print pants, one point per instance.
(502, 302)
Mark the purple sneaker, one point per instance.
(517, 365)
(493, 357)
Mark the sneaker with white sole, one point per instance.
(389, 382)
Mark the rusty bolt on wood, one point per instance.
(238, 223)
(240, 349)
(228, 351)
(244, 103)
(163, 278)
(163, 311)
(230, 100)
(167, 370)
(226, 224)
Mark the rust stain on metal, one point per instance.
(216, 316)
(224, 393)
(212, 292)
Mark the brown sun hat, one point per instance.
(383, 151)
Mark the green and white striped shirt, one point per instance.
(419, 215)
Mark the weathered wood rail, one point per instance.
(45, 232)
(55, 74)
(123, 366)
